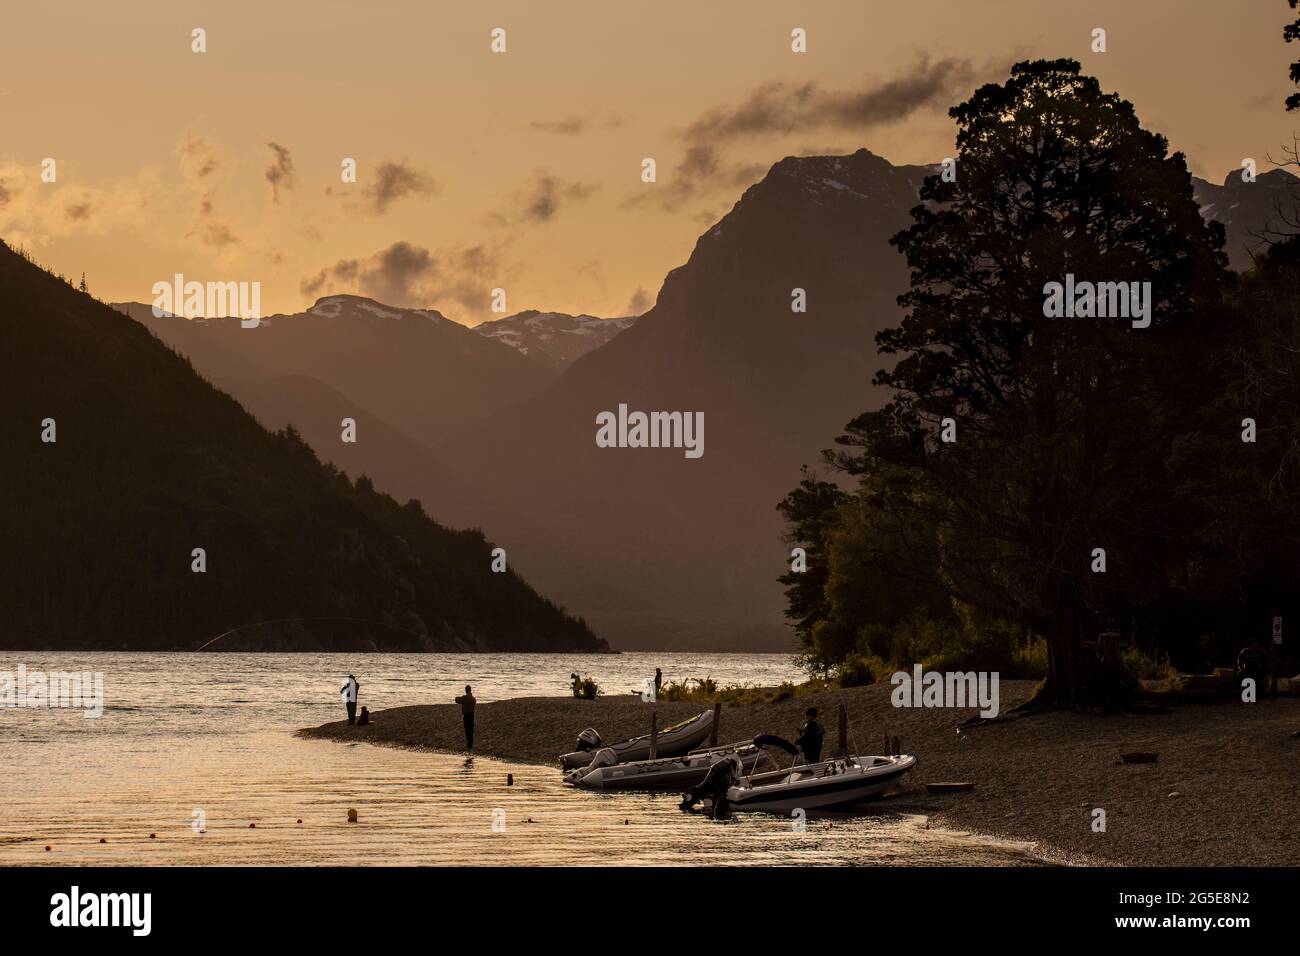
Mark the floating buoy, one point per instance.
(300, 819)
(625, 823)
(47, 849)
(530, 819)
(352, 816)
(153, 836)
(102, 840)
(252, 826)
(510, 780)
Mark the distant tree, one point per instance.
(1063, 426)
(81, 286)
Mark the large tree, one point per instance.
(1064, 426)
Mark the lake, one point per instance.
(204, 742)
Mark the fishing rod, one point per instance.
(303, 620)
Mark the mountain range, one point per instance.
(655, 549)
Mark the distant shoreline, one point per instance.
(1234, 767)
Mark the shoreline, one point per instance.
(1223, 791)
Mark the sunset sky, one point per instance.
(522, 169)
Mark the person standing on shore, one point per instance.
(659, 681)
(351, 690)
(467, 703)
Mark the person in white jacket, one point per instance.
(350, 690)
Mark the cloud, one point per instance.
(79, 212)
(396, 180)
(701, 171)
(782, 108)
(777, 109)
(405, 274)
(639, 303)
(199, 159)
(541, 199)
(280, 174)
(575, 124)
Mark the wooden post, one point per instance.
(717, 720)
(654, 735)
(842, 738)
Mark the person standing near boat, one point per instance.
(467, 703)
(810, 737)
(351, 690)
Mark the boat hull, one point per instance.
(814, 789)
(673, 742)
(679, 773)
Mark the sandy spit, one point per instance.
(1224, 791)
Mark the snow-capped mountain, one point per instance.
(1251, 212)
(416, 369)
(553, 337)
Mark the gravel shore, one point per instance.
(1225, 790)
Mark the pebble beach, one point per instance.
(1224, 790)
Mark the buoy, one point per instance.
(510, 780)
(352, 816)
(47, 849)
(102, 840)
(625, 823)
(530, 819)
(153, 836)
(252, 826)
(300, 819)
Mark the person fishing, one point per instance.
(467, 703)
(350, 690)
(810, 737)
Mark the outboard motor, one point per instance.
(605, 757)
(588, 740)
(724, 773)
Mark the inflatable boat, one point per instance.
(830, 783)
(673, 741)
(605, 773)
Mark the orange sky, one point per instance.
(522, 170)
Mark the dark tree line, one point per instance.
(1075, 438)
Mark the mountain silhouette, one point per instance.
(150, 462)
(415, 368)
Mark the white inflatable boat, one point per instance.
(831, 783)
(673, 742)
(605, 773)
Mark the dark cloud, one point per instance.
(79, 212)
(575, 124)
(639, 302)
(217, 234)
(393, 181)
(781, 108)
(281, 173)
(702, 170)
(198, 158)
(405, 274)
(541, 199)
(5, 194)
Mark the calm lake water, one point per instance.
(190, 741)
